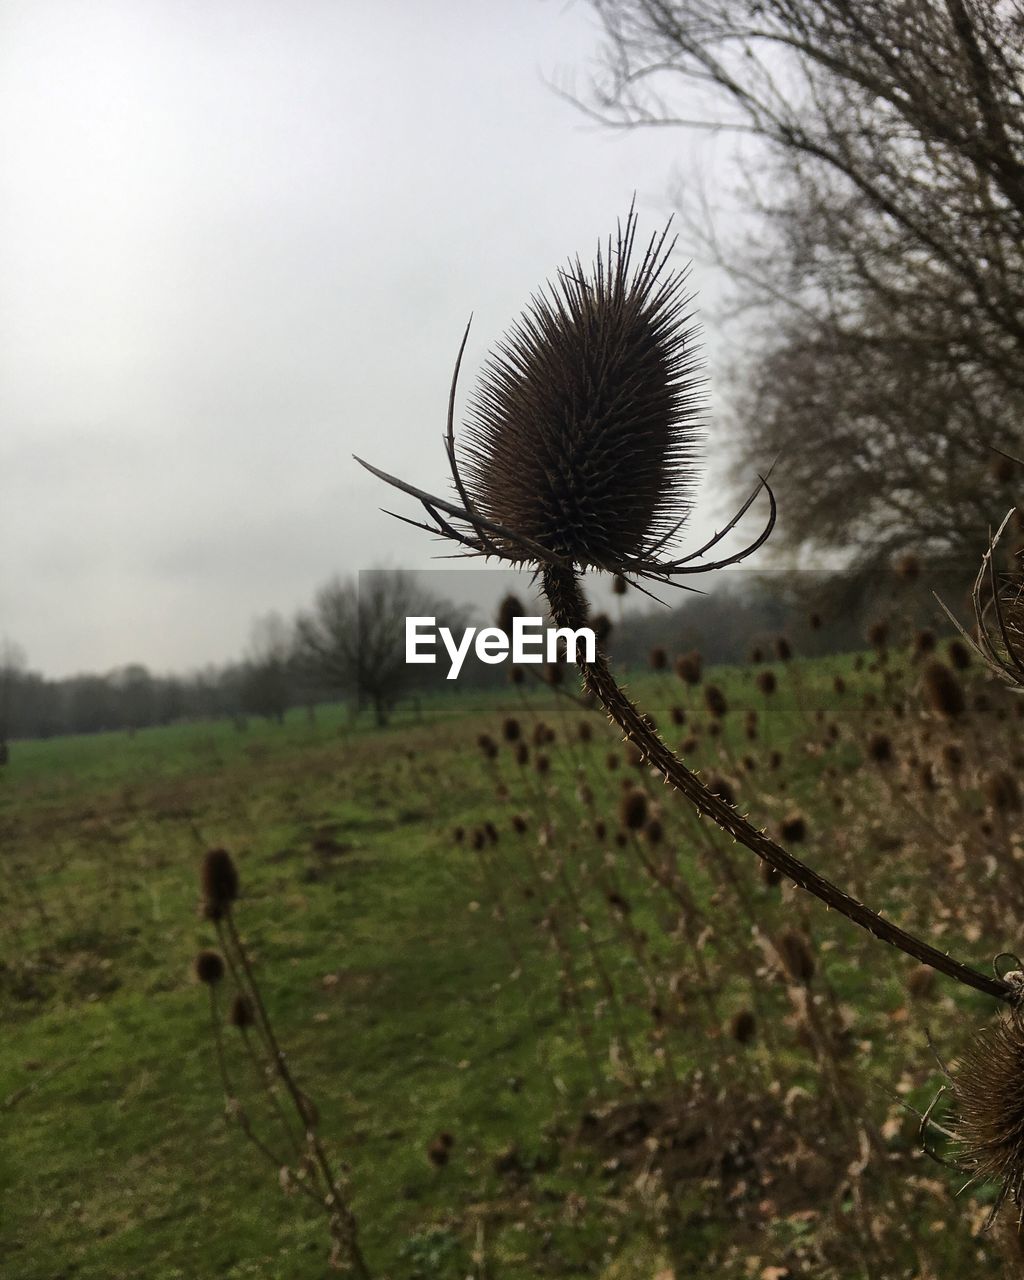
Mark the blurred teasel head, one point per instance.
(988, 1096)
(583, 434)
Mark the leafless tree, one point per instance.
(884, 282)
(353, 639)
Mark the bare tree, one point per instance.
(353, 639)
(887, 269)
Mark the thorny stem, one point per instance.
(569, 609)
(334, 1201)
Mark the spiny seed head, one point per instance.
(944, 691)
(796, 956)
(688, 667)
(240, 1014)
(209, 967)
(658, 658)
(959, 655)
(988, 1095)
(633, 809)
(783, 651)
(509, 609)
(878, 634)
(766, 682)
(743, 1026)
(924, 641)
(583, 431)
(511, 729)
(219, 878)
(880, 748)
(1002, 792)
(793, 828)
(770, 876)
(722, 788)
(715, 701)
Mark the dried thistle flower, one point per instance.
(581, 445)
(796, 956)
(715, 701)
(633, 809)
(743, 1026)
(793, 828)
(688, 667)
(944, 691)
(241, 1014)
(988, 1096)
(219, 880)
(209, 967)
(766, 682)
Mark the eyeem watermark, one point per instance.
(530, 641)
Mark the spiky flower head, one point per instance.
(582, 436)
(988, 1096)
(583, 431)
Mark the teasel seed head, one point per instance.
(510, 608)
(1002, 792)
(988, 1097)
(688, 667)
(944, 690)
(793, 828)
(241, 1013)
(959, 655)
(783, 651)
(209, 967)
(715, 701)
(219, 879)
(796, 956)
(743, 1026)
(633, 809)
(583, 432)
(766, 682)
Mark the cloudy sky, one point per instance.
(239, 241)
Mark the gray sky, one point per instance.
(239, 241)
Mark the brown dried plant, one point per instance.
(305, 1167)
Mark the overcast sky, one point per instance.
(239, 241)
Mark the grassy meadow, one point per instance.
(551, 1028)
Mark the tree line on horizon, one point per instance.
(349, 647)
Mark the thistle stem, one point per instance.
(569, 609)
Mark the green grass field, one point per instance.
(409, 1006)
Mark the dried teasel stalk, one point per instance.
(581, 455)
